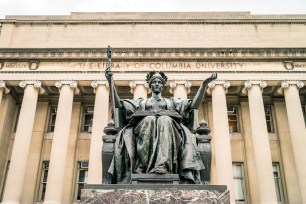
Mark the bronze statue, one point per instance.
(155, 138)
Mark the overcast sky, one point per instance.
(64, 7)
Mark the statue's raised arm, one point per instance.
(109, 77)
(200, 94)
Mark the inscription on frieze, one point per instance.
(180, 66)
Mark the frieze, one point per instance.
(174, 66)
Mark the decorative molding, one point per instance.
(33, 64)
(149, 18)
(280, 54)
(4, 87)
(97, 83)
(73, 84)
(35, 83)
(173, 84)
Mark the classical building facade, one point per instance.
(55, 100)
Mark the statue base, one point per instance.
(155, 193)
(155, 179)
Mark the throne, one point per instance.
(203, 142)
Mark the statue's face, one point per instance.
(156, 85)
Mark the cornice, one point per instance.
(265, 54)
(153, 21)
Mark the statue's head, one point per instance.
(156, 81)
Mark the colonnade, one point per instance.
(179, 89)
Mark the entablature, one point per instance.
(235, 54)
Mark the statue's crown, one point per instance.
(153, 75)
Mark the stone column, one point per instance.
(21, 148)
(260, 140)
(221, 137)
(180, 89)
(100, 118)
(3, 90)
(297, 130)
(139, 89)
(59, 148)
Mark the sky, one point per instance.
(65, 7)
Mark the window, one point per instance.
(269, 119)
(82, 178)
(43, 181)
(278, 182)
(5, 177)
(87, 119)
(233, 119)
(52, 119)
(239, 182)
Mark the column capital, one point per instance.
(73, 84)
(226, 84)
(134, 83)
(249, 83)
(173, 84)
(4, 87)
(96, 83)
(35, 83)
(286, 84)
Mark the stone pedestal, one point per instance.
(155, 178)
(149, 193)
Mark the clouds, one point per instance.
(65, 7)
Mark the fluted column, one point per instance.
(180, 89)
(260, 140)
(297, 130)
(221, 136)
(139, 89)
(100, 118)
(21, 148)
(3, 90)
(59, 148)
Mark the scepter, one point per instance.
(109, 67)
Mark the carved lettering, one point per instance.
(147, 66)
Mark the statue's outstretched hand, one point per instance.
(108, 74)
(211, 78)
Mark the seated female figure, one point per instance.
(156, 139)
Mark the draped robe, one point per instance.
(156, 143)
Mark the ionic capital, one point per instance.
(226, 84)
(173, 84)
(35, 83)
(249, 83)
(96, 83)
(73, 84)
(134, 83)
(286, 84)
(4, 87)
